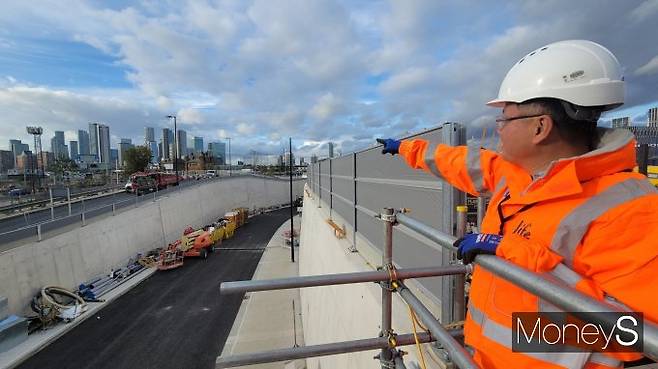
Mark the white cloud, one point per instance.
(260, 71)
(67, 111)
(649, 68)
(189, 116)
(647, 10)
(326, 107)
(408, 80)
(246, 128)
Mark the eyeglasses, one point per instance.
(501, 121)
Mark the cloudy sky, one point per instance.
(261, 71)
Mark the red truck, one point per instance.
(142, 182)
(165, 179)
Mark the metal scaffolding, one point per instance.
(391, 280)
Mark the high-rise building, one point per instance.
(652, 117)
(58, 146)
(25, 162)
(331, 149)
(114, 158)
(622, 122)
(17, 148)
(181, 140)
(165, 143)
(46, 159)
(6, 160)
(149, 134)
(73, 149)
(99, 142)
(288, 158)
(83, 142)
(93, 140)
(124, 145)
(218, 150)
(198, 144)
(155, 152)
(172, 150)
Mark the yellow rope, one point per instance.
(420, 351)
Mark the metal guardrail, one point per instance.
(390, 280)
(568, 299)
(69, 197)
(38, 229)
(564, 297)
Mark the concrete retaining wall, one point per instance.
(82, 253)
(345, 312)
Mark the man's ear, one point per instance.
(543, 127)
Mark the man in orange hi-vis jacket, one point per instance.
(564, 200)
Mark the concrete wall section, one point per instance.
(70, 258)
(345, 312)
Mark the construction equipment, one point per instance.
(56, 303)
(171, 257)
(242, 216)
(196, 243)
(93, 289)
(229, 227)
(216, 231)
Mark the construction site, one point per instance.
(223, 284)
(328, 184)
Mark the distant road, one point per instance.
(23, 226)
(62, 211)
(175, 319)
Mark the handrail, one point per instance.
(564, 297)
(324, 350)
(457, 353)
(129, 200)
(46, 201)
(336, 279)
(390, 280)
(76, 215)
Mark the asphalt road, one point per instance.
(9, 226)
(175, 319)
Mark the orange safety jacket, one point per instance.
(588, 221)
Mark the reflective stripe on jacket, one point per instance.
(587, 221)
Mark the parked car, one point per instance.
(16, 192)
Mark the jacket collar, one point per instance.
(563, 177)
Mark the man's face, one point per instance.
(516, 134)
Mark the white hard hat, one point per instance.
(580, 72)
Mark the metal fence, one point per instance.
(35, 225)
(356, 186)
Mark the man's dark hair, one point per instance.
(574, 131)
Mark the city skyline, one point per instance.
(191, 145)
(257, 72)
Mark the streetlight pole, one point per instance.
(175, 146)
(36, 132)
(292, 212)
(229, 154)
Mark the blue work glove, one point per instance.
(391, 145)
(471, 245)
